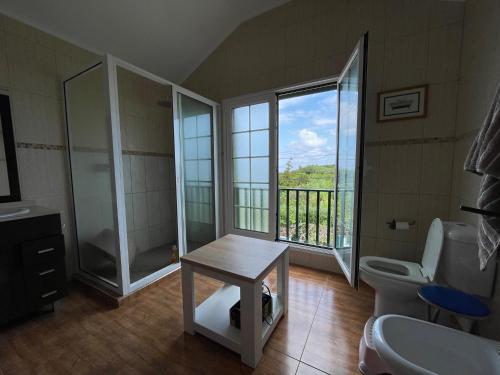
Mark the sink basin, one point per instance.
(410, 346)
(13, 211)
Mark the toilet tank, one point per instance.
(459, 264)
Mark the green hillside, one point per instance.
(311, 177)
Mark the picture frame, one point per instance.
(402, 104)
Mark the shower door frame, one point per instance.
(86, 274)
(111, 63)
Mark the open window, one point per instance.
(350, 134)
(293, 164)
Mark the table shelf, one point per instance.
(212, 318)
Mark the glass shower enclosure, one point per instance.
(143, 153)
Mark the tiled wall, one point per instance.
(32, 67)
(479, 78)
(148, 161)
(408, 163)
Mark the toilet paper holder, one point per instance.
(392, 224)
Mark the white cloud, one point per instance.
(311, 138)
(291, 102)
(322, 121)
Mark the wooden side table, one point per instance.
(241, 263)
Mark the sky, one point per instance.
(307, 129)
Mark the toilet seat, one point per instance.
(393, 269)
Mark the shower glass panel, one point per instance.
(144, 186)
(196, 132)
(90, 150)
(147, 140)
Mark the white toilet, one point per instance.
(450, 257)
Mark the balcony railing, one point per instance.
(306, 216)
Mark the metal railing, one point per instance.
(306, 216)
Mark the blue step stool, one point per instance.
(453, 301)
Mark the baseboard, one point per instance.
(314, 259)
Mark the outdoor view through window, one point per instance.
(307, 159)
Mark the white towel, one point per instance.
(484, 159)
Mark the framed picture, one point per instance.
(403, 104)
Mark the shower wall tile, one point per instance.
(140, 209)
(153, 202)
(129, 208)
(142, 240)
(138, 172)
(127, 173)
(152, 172)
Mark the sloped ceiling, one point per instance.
(167, 37)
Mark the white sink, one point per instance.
(7, 212)
(410, 346)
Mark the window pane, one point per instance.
(205, 170)
(242, 218)
(260, 143)
(259, 219)
(204, 125)
(191, 170)
(241, 145)
(250, 150)
(241, 194)
(189, 126)
(241, 119)
(205, 148)
(259, 116)
(260, 170)
(198, 184)
(190, 151)
(241, 170)
(348, 121)
(260, 195)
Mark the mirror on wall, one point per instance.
(9, 180)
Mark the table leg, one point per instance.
(188, 304)
(251, 323)
(283, 281)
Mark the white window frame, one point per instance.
(271, 97)
(228, 107)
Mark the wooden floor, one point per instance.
(320, 334)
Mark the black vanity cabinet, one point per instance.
(32, 266)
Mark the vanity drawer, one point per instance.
(45, 251)
(45, 284)
(44, 297)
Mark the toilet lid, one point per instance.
(433, 247)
